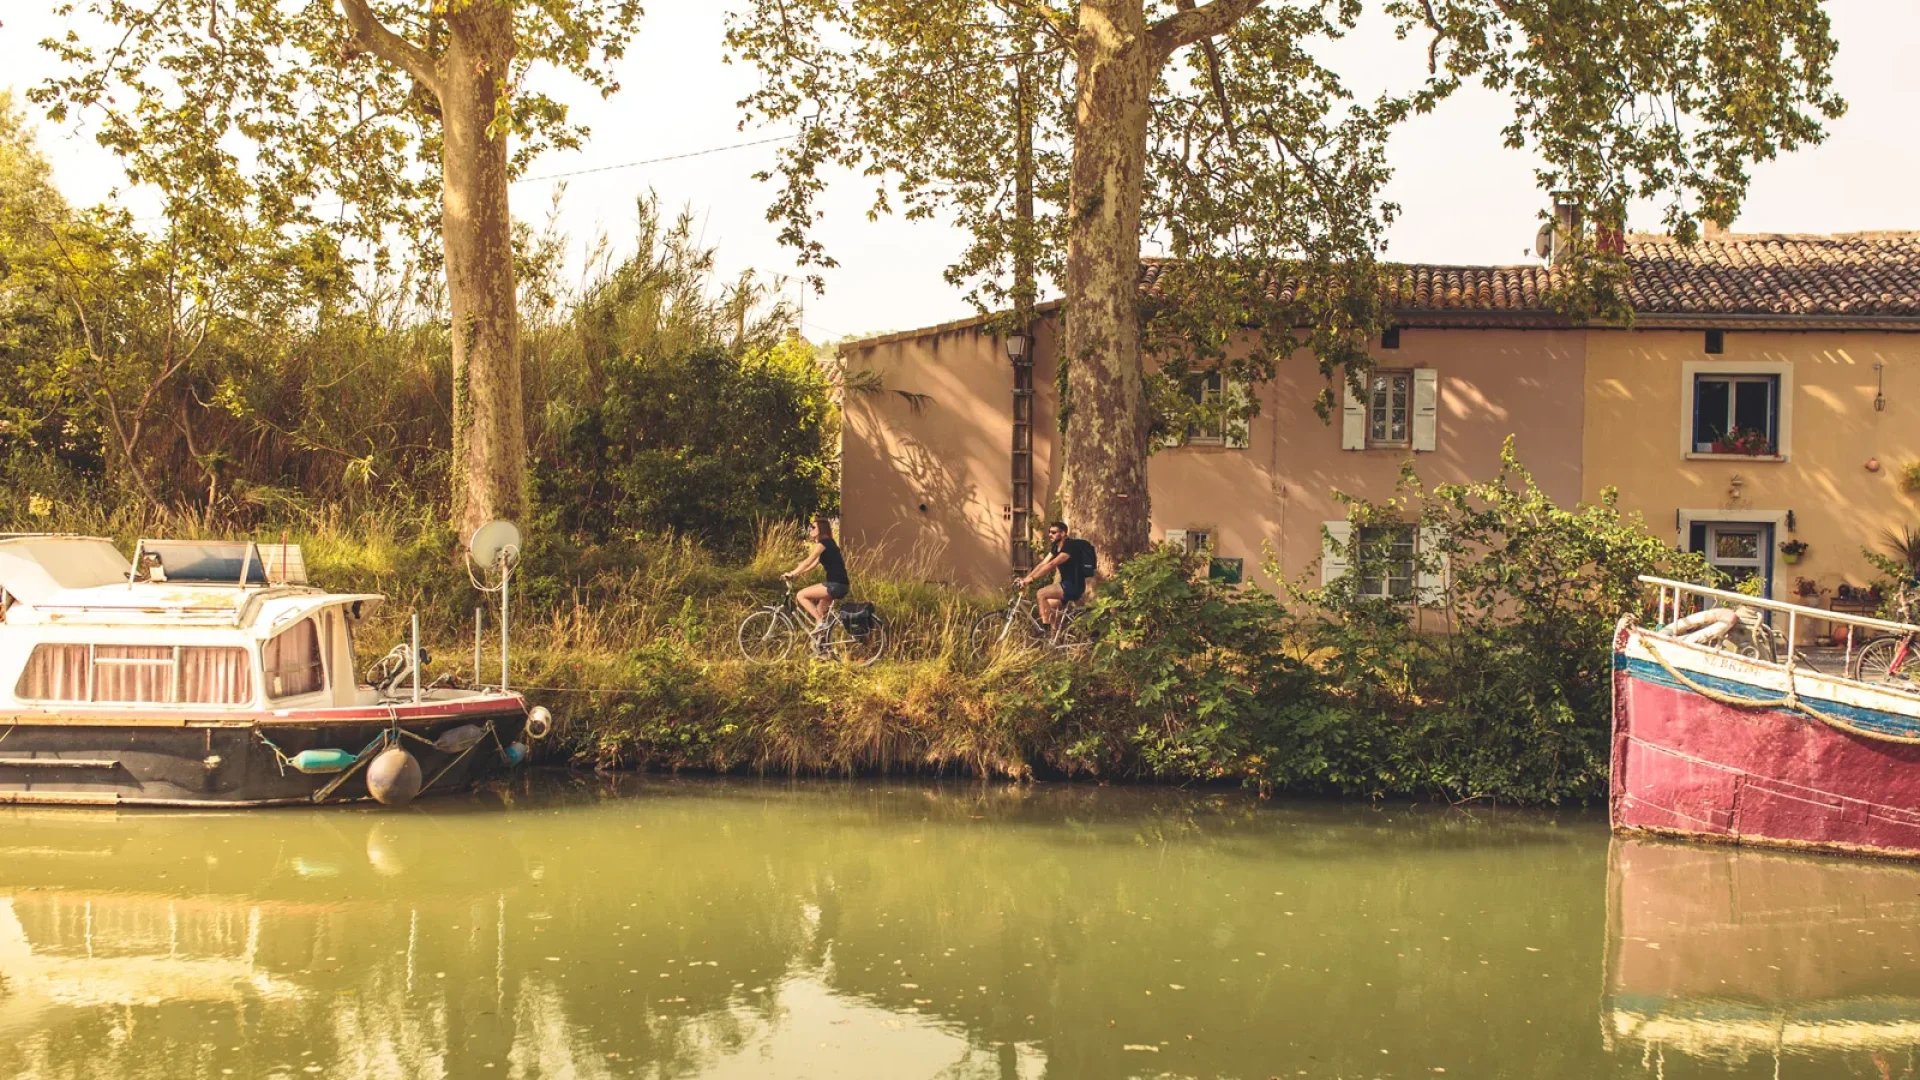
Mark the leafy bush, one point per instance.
(703, 442)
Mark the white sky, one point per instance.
(1464, 198)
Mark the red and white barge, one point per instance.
(208, 674)
(1723, 731)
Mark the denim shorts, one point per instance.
(837, 590)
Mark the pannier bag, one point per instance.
(858, 617)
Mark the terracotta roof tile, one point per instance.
(1873, 274)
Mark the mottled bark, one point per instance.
(1104, 492)
(489, 430)
(468, 82)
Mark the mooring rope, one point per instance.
(1790, 701)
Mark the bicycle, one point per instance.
(852, 633)
(1018, 623)
(1891, 657)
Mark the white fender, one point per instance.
(1704, 627)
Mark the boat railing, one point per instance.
(1675, 594)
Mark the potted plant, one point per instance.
(1910, 476)
(1791, 550)
(1807, 589)
(1747, 442)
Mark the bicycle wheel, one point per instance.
(1072, 635)
(997, 628)
(765, 637)
(1875, 662)
(858, 648)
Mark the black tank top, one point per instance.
(832, 562)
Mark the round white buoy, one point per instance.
(394, 777)
(539, 722)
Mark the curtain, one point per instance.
(133, 673)
(293, 661)
(216, 676)
(55, 673)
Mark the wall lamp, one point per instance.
(1880, 387)
(1017, 344)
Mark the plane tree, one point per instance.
(1063, 135)
(355, 129)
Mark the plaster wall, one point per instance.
(951, 454)
(1638, 422)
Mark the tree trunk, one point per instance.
(1105, 486)
(489, 431)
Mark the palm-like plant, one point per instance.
(1904, 545)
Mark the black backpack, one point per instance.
(1085, 561)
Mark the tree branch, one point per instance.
(1188, 26)
(373, 36)
(1219, 84)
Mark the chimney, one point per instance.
(1712, 230)
(1554, 238)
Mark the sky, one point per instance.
(1463, 197)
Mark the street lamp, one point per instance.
(1017, 343)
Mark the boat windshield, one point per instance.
(211, 561)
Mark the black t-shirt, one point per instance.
(1071, 573)
(832, 562)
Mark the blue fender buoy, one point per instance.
(394, 777)
(323, 761)
(514, 754)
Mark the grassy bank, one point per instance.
(631, 644)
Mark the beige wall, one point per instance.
(1636, 382)
(953, 453)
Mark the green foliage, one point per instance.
(276, 113)
(706, 442)
(1512, 700)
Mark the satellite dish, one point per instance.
(1543, 241)
(493, 540)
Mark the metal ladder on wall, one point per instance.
(1020, 525)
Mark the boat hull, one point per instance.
(215, 760)
(1712, 745)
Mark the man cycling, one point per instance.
(1074, 560)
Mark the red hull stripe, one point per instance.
(1685, 763)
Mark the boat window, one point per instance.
(56, 673)
(138, 675)
(293, 661)
(215, 676)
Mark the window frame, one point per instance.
(1213, 393)
(1384, 443)
(321, 656)
(175, 663)
(1411, 563)
(1693, 372)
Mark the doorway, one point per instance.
(1742, 550)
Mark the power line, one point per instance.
(659, 160)
(583, 172)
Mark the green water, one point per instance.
(653, 928)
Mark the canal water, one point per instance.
(659, 928)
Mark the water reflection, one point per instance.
(662, 929)
(1720, 959)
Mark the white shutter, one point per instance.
(1426, 408)
(1239, 423)
(1353, 421)
(1177, 537)
(1431, 588)
(1336, 541)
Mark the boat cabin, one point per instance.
(194, 624)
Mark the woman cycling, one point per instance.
(816, 599)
